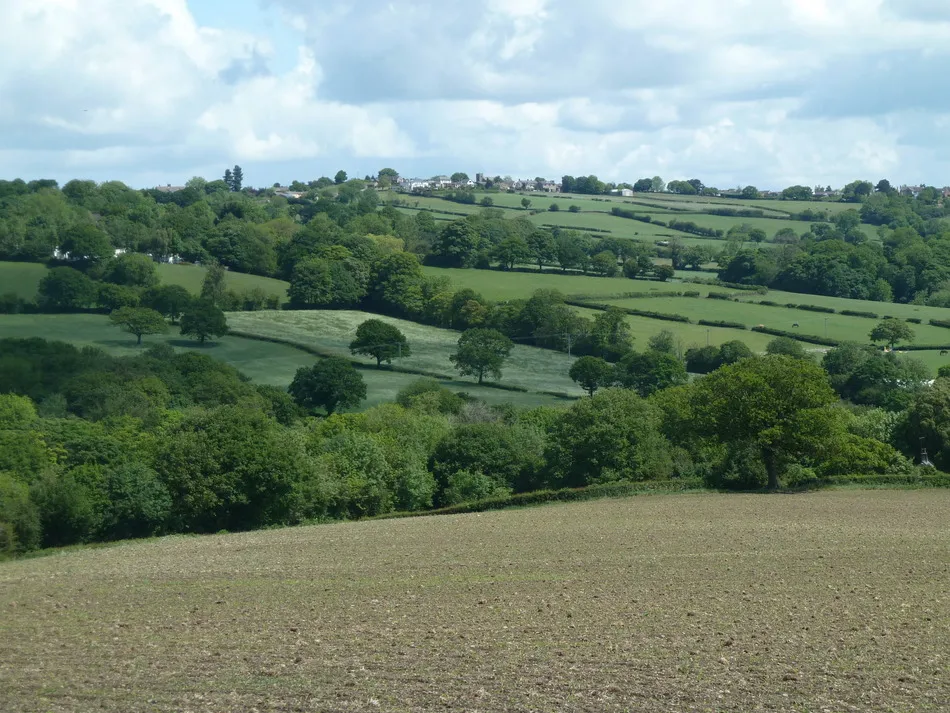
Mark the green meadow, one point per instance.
(275, 364)
(21, 278)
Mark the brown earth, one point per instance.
(826, 602)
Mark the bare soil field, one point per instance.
(833, 601)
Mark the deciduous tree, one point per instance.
(139, 321)
(380, 340)
(332, 383)
(775, 404)
(481, 352)
(891, 330)
(203, 320)
(591, 373)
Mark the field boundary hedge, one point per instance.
(603, 307)
(761, 289)
(655, 487)
(810, 338)
(722, 323)
(811, 308)
(565, 495)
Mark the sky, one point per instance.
(732, 92)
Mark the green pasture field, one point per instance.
(263, 362)
(770, 225)
(847, 328)
(777, 205)
(884, 309)
(21, 278)
(828, 601)
(191, 276)
(499, 285)
(689, 335)
(331, 331)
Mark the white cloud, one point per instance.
(731, 91)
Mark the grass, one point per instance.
(854, 329)
(595, 213)
(331, 331)
(763, 204)
(499, 285)
(21, 278)
(24, 278)
(191, 276)
(689, 335)
(826, 601)
(263, 362)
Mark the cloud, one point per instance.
(121, 86)
(736, 90)
(731, 91)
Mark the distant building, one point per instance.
(169, 188)
(479, 178)
(625, 192)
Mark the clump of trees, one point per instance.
(94, 447)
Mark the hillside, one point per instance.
(655, 604)
(331, 331)
(264, 362)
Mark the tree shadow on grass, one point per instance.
(192, 344)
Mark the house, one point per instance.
(169, 188)
(625, 192)
(551, 187)
(167, 259)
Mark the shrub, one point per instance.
(691, 293)
(859, 313)
(465, 486)
(814, 308)
(430, 396)
(810, 338)
(769, 303)
(945, 323)
(19, 519)
(913, 320)
(722, 323)
(719, 296)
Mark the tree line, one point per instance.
(94, 447)
(332, 242)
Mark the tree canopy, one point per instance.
(481, 353)
(380, 340)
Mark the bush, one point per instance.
(945, 323)
(465, 486)
(722, 323)
(810, 338)
(859, 313)
(430, 396)
(575, 209)
(768, 303)
(692, 293)
(812, 308)
(913, 320)
(630, 310)
(719, 296)
(20, 528)
(66, 509)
